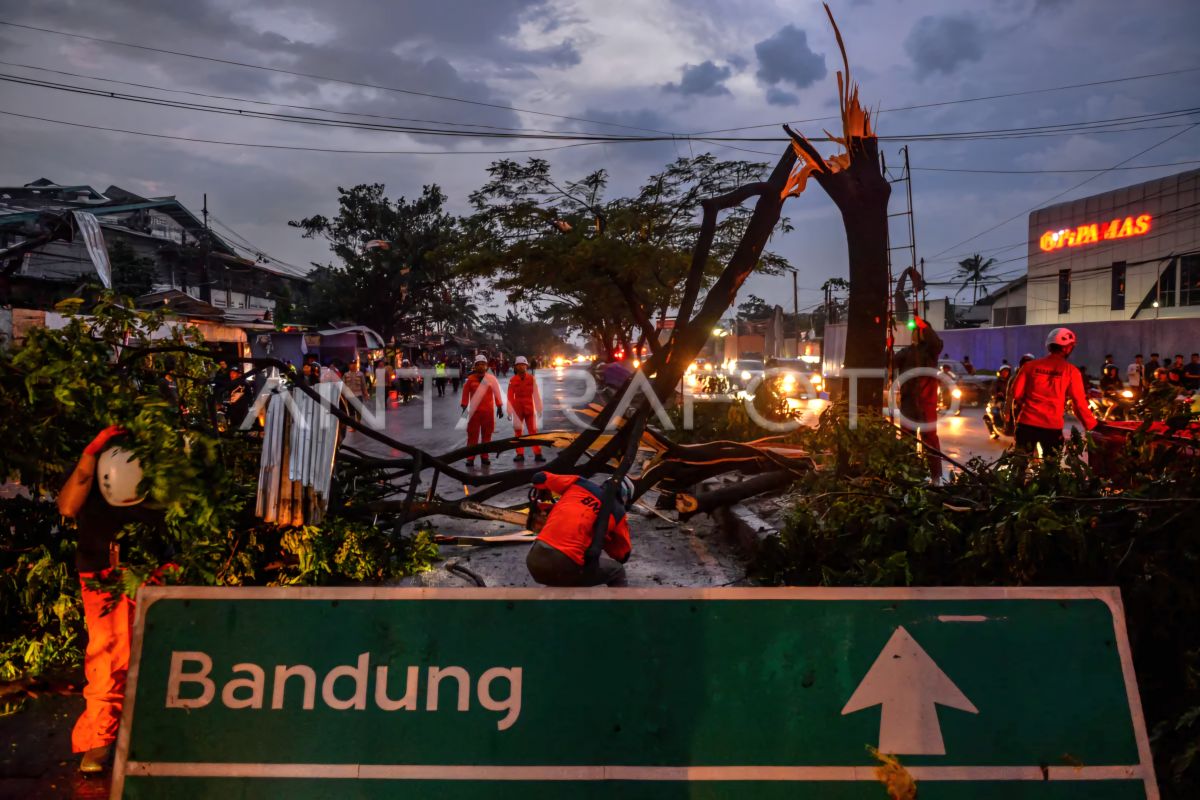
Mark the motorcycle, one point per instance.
(1119, 406)
(995, 419)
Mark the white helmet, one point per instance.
(118, 472)
(522, 360)
(625, 491)
(481, 359)
(1060, 336)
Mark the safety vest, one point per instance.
(439, 370)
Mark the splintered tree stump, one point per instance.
(686, 504)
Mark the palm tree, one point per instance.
(974, 271)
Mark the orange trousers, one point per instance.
(105, 666)
(524, 418)
(480, 426)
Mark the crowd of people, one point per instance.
(1028, 402)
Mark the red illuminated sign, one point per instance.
(1120, 228)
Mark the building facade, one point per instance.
(182, 252)
(1128, 254)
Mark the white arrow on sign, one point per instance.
(909, 686)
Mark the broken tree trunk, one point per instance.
(689, 506)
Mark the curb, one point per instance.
(747, 530)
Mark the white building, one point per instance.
(1132, 253)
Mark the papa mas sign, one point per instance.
(1120, 228)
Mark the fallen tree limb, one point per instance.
(689, 506)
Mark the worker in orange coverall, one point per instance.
(102, 496)
(481, 398)
(559, 554)
(524, 406)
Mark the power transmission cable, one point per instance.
(1053, 171)
(1121, 123)
(941, 103)
(1068, 190)
(314, 76)
(300, 148)
(1026, 242)
(254, 101)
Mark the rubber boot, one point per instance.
(96, 760)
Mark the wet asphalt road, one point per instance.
(664, 553)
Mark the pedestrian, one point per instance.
(524, 406)
(356, 385)
(558, 556)
(993, 416)
(480, 397)
(1040, 393)
(101, 495)
(1153, 364)
(919, 393)
(1135, 373)
(1177, 369)
(1191, 373)
(406, 378)
(1108, 362)
(439, 377)
(967, 365)
(455, 370)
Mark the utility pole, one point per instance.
(205, 278)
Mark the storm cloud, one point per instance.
(706, 79)
(942, 44)
(543, 67)
(786, 58)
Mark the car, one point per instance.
(791, 374)
(745, 372)
(973, 390)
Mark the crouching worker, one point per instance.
(102, 496)
(559, 555)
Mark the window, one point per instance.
(1064, 291)
(1118, 286)
(1189, 280)
(1166, 286)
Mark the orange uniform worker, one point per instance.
(1039, 394)
(557, 557)
(524, 405)
(101, 495)
(481, 398)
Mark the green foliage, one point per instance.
(344, 551)
(588, 262)
(521, 336)
(754, 308)
(39, 592)
(398, 290)
(60, 389)
(868, 517)
(131, 274)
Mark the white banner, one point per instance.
(87, 225)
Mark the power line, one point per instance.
(300, 148)
(313, 76)
(1026, 242)
(962, 100)
(235, 98)
(1116, 124)
(1052, 171)
(1067, 191)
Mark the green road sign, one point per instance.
(636, 693)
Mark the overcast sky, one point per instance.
(683, 66)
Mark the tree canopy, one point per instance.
(393, 274)
(606, 267)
